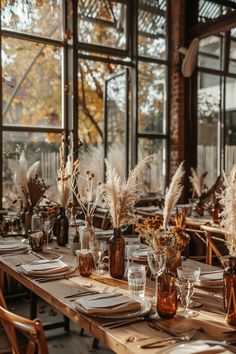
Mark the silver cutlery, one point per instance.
(183, 334)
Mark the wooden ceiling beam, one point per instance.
(226, 3)
(221, 24)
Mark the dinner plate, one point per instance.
(199, 346)
(145, 308)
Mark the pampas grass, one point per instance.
(197, 181)
(173, 194)
(121, 195)
(228, 201)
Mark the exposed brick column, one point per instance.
(177, 37)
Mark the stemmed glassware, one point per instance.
(187, 278)
(157, 263)
(97, 249)
(47, 226)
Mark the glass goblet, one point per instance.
(97, 249)
(187, 278)
(157, 263)
(47, 226)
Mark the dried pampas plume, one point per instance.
(197, 182)
(173, 194)
(228, 201)
(121, 196)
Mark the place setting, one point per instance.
(8, 247)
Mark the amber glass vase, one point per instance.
(230, 291)
(117, 255)
(167, 303)
(61, 228)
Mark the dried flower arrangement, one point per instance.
(199, 188)
(63, 174)
(156, 232)
(120, 195)
(228, 202)
(29, 186)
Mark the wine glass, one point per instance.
(157, 263)
(97, 249)
(187, 278)
(47, 226)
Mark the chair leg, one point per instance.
(81, 333)
(33, 305)
(66, 323)
(95, 343)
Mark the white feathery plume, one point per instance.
(20, 178)
(173, 194)
(33, 170)
(121, 196)
(228, 201)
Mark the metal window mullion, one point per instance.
(32, 38)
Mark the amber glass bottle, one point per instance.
(117, 254)
(230, 291)
(61, 227)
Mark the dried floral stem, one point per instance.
(228, 202)
(121, 196)
(173, 194)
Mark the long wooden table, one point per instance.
(126, 339)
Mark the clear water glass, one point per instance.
(187, 278)
(137, 280)
(156, 263)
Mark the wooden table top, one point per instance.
(126, 339)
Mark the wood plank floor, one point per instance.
(59, 342)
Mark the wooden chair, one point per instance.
(23, 335)
(213, 234)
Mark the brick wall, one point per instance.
(176, 126)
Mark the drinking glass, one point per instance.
(130, 250)
(47, 228)
(137, 280)
(97, 249)
(157, 263)
(187, 278)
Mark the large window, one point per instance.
(216, 105)
(105, 83)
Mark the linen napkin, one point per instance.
(196, 347)
(12, 246)
(107, 304)
(38, 268)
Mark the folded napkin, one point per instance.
(38, 268)
(196, 347)
(107, 304)
(12, 246)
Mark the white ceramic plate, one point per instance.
(145, 308)
(47, 275)
(194, 347)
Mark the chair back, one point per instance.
(33, 329)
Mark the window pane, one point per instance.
(153, 179)
(208, 10)
(211, 52)
(31, 83)
(208, 126)
(152, 28)
(42, 18)
(102, 22)
(232, 52)
(152, 98)
(41, 147)
(92, 76)
(230, 125)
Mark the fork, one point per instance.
(186, 334)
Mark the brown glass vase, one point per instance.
(117, 255)
(229, 278)
(167, 303)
